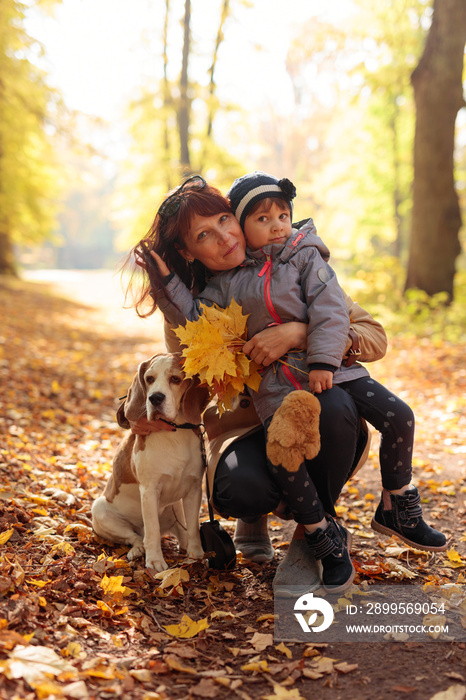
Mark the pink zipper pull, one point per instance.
(266, 266)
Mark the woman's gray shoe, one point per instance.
(298, 573)
(253, 541)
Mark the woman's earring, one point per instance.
(190, 261)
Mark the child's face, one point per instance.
(268, 225)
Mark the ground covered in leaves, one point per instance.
(78, 620)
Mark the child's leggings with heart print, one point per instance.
(395, 422)
(384, 411)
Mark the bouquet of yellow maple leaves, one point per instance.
(213, 351)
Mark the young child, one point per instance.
(285, 277)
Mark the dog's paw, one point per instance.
(193, 554)
(157, 565)
(135, 552)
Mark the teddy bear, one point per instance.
(293, 434)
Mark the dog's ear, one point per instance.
(194, 401)
(135, 404)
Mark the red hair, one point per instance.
(166, 237)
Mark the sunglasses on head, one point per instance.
(172, 203)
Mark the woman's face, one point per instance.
(216, 241)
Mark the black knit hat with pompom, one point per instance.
(251, 188)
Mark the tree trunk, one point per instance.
(7, 258)
(211, 106)
(437, 83)
(166, 100)
(183, 112)
(397, 198)
(223, 19)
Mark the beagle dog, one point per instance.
(156, 484)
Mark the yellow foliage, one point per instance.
(213, 351)
(112, 585)
(455, 558)
(282, 693)
(38, 583)
(5, 536)
(284, 649)
(172, 577)
(65, 548)
(187, 628)
(260, 666)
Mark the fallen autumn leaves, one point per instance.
(78, 620)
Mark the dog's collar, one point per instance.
(186, 426)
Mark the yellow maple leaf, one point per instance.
(172, 577)
(282, 693)
(284, 649)
(112, 585)
(73, 649)
(106, 609)
(64, 548)
(187, 628)
(222, 614)
(45, 689)
(5, 535)
(261, 666)
(100, 671)
(213, 351)
(232, 318)
(455, 558)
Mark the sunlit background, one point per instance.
(317, 92)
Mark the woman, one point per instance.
(241, 485)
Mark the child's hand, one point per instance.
(319, 380)
(163, 269)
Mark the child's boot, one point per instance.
(401, 515)
(331, 548)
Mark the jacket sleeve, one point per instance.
(371, 335)
(327, 311)
(172, 342)
(176, 303)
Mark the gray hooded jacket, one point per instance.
(274, 285)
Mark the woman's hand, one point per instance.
(269, 345)
(142, 262)
(146, 427)
(319, 380)
(163, 269)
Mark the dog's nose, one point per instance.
(157, 398)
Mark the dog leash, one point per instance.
(202, 436)
(214, 538)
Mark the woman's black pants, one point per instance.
(243, 487)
